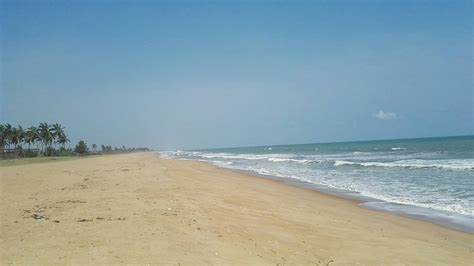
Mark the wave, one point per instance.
(455, 207)
(461, 164)
(361, 159)
(398, 149)
(406, 199)
(278, 160)
(339, 163)
(218, 163)
(362, 172)
(239, 156)
(263, 171)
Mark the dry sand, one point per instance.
(137, 208)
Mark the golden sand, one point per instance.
(137, 208)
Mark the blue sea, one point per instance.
(426, 178)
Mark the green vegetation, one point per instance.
(46, 141)
(81, 148)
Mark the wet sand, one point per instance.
(137, 208)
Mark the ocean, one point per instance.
(425, 178)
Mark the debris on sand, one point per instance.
(38, 217)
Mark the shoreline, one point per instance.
(432, 216)
(448, 220)
(138, 208)
(462, 223)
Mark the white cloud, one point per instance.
(385, 115)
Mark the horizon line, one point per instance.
(329, 142)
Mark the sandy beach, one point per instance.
(138, 208)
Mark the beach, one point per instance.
(139, 208)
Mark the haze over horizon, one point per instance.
(206, 74)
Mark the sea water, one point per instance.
(428, 178)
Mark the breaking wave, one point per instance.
(454, 164)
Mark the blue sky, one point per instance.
(197, 74)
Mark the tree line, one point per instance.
(47, 140)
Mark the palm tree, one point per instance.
(63, 139)
(2, 137)
(31, 136)
(17, 136)
(94, 147)
(57, 131)
(6, 135)
(46, 135)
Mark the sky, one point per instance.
(206, 74)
